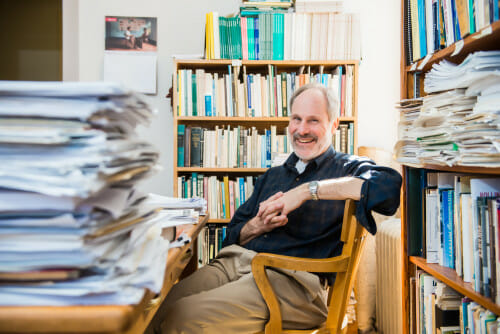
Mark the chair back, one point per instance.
(353, 236)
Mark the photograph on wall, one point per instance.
(131, 34)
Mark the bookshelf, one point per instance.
(260, 123)
(486, 38)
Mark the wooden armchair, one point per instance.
(345, 265)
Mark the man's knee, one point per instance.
(186, 315)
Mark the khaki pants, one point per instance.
(222, 297)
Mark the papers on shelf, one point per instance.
(446, 75)
(458, 123)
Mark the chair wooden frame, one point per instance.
(345, 265)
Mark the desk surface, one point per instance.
(100, 319)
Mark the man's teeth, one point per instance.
(305, 140)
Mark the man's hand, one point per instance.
(274, 212)
(256, 226)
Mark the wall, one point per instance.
(379, 71)
(181, 31)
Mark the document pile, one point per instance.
(407, 146)
(73, 230)
(458, 122)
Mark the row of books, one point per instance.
(343, 140)
(227, 147)
(432, 25)
(256, 94)
(223, 195)
(458, 226)
(440, 309)
(210, 243)
(242, 147)
(283, 36)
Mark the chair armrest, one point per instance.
(332, 264)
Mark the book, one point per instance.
(432, 239)
(480, 187)
(187, 147)
(462, 10)
(448, 228)
(491, 243)
(415, 225)
(232, 204)
(226, 199)
(196, 146)
(180, 144)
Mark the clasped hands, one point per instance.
(274, 211)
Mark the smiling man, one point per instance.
(296, 209)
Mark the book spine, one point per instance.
(180, 144)
(226, 197)
(448, 233)
(187, 147)
(196, 147)
(241, 186)
(268, 148)
(194, 95)
(256, 39)
(231, 198)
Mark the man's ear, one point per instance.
(335, 124)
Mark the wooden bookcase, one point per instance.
(252, 66)
(471, 43)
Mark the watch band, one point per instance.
(313, 190)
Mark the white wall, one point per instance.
(379, 71)
(181, 31)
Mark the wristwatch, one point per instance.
(313, 190)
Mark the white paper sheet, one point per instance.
(134, 70)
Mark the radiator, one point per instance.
(389, 286)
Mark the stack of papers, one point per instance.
(407, 146)
(73, 228)
(446, 75)
(458, 122)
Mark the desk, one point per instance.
(100, 319)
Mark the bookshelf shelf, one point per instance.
(481, 40)
(450, 277)
(219, 221)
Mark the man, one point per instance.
(296, 209)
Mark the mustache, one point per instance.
(297, 136)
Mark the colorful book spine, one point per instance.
(196, 147)
(180, 144)
(448, 228)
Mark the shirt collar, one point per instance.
(293, 158)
